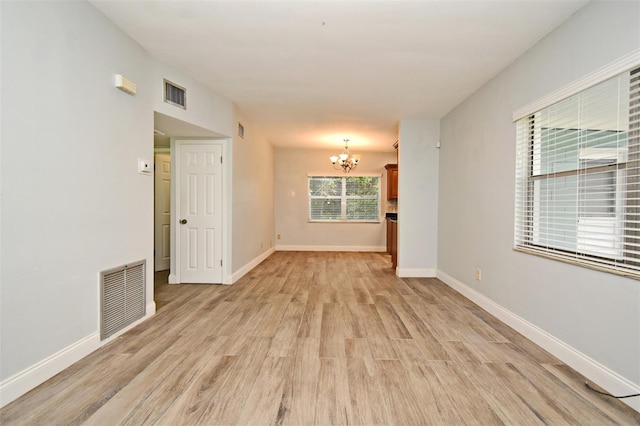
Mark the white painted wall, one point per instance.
(595, 313)
(73, 202)
(418, 197)
(292, 167)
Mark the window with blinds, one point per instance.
(578, 177)
(344, 198)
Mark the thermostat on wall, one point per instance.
(125, 85)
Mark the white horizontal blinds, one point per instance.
(346, 198)
(578, 177)
(632, 202)
(325, 198)
(362, 195)
(524, 185)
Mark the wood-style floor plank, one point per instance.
(401, 401)
(333, 404)
(283, 343)
(503, 402)
(298, 404)
(391, 321)
(365, 393)
(316, 339)
(159, 387)
(264, 403)
(468, 399)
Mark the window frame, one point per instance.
(621, 259)
(343, 197)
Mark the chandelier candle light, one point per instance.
(345, 161)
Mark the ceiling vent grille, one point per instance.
(122, 297)
(175, 95)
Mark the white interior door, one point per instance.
(200, 213)
(162, 212)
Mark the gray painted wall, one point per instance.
(73, 203)
(594, 312)
(253, 194)
(418, 167)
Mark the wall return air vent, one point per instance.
(175, 95)
(122, 297)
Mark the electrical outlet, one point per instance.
(278, 236)
(478, 274)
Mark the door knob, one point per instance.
(183, 221)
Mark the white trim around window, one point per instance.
(623, 64)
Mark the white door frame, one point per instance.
(174, 275)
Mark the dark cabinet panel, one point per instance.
(392, 181)
(392, 241)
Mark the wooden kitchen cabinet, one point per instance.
(389, 235)
(392, 181)
(392, 241)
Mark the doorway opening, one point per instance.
(169, 131)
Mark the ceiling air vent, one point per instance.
(175, 95)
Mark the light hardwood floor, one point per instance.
(318, 338)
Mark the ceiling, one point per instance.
(311, 73)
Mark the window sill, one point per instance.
(585, 263)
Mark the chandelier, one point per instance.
(345, 161)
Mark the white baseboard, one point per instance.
(22, 382)
(250, 265)
(332, 248)
(150, 309)
(226, 279)
(593, 370)
(416, 272)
